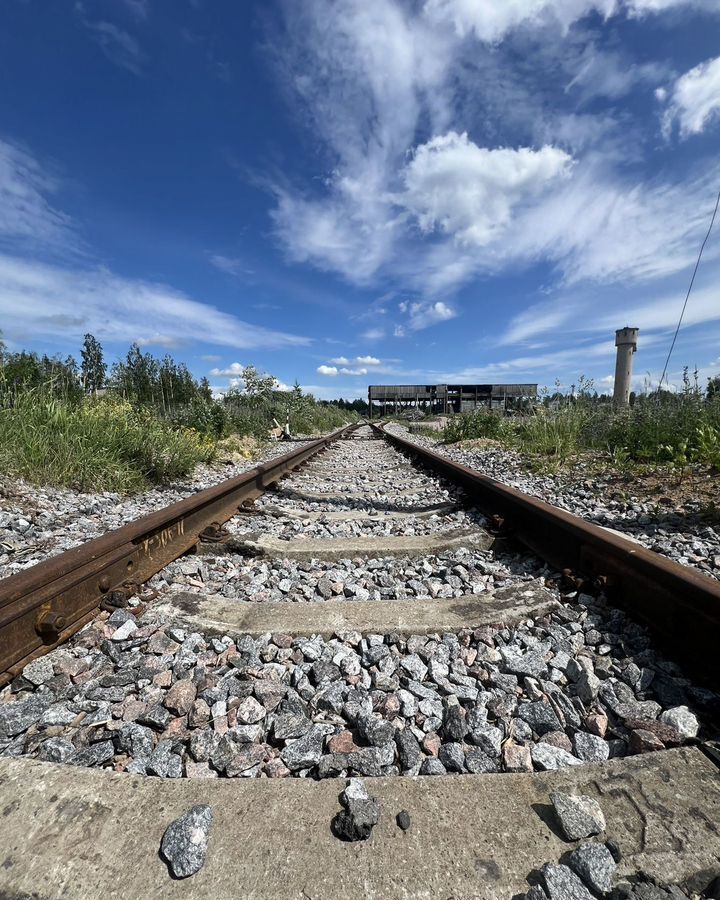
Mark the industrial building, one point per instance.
(446, 398)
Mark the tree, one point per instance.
(713, 387)
(93, 367)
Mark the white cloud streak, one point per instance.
(47, 301)
(26, 216)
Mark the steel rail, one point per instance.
(679, 605)
(43, 605)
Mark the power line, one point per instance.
(687, 296)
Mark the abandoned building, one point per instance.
(446, 398)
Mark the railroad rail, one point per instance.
(41, 607)
(678, 604)
(374, 613)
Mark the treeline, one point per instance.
(143, 419)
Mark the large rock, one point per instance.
(563, 884)
(185, 842)
(360, 815)
(306, 750)
(681, 719)
(595, 865)
(546, 757)
(579, 816)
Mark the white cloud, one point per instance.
(330, 371)
(138, 8)
(25, 214)
(491, 20)
(346, 371)
(598, 228)
(231, 265)
(469, 192)
(234, 369)
(119, 47)
(695, 99)
(609, 74)
(423, 315)
(369, 78)
(48, 301)
(357, 361)
(374, 334)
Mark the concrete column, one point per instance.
(626, 343)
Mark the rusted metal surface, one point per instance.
(42, 606)
(679, 604)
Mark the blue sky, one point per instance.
(347, 192)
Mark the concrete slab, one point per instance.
(219, 615)
(370, 546)
(81, 834)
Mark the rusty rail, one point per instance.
(679, 605)
(42, 606)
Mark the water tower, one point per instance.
(626, 343)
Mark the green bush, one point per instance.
(674, 429)
(102, 444)
(468, 426)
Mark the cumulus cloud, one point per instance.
(405, 196)
(423, 315)
(356, 361)
(694, 102)
(332, 371)
(469, 192)
(233, 370)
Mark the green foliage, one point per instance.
(20, 372)
(478, 424)
(93, 367)
(260, 407)
(673, 429)
(103, 444)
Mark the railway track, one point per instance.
(341, 612)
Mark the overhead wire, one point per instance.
(689, 291)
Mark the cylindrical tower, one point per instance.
(626, 343)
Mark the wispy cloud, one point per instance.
(231, 265)
(26, 215)
(120, 47)
(406, 197)
(48, 301)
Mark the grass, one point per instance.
(671, 430)
(101, 445)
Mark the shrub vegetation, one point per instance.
(658, 427)
(148, 421)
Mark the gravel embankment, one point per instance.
(677, 531)
(581, 684)
(39, 522)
